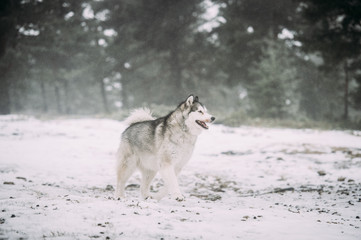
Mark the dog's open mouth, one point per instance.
(202, 124)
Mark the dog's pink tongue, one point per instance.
(204, 125)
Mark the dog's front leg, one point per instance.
(171, 186)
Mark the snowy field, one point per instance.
(57, 181)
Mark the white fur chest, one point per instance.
(180, 149)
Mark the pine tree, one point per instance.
(272, 89)
(245, 24)
(152, 48)
(333, 30)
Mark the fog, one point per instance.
(288, 60)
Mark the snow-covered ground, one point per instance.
(57, 179)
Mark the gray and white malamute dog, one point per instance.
(164, 144)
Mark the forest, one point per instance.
(281, 77)
(247, 60)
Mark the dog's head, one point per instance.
(196, 116)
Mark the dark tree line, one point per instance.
(271, 59)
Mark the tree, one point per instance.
(152, 47)
(333, 30)
(356, 93)
(272, 89)
(167, 26)
(246, 23)
(36, 34)
(8, 14)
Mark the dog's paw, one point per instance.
(178, 197)
(145, 198)
(118, 196)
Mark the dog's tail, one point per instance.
(139, 115)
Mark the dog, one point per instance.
(161, 145)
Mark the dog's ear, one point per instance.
(195, 99)
(189, 100)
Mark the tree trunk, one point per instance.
(103, 95)
(4, 82)
(124, 91)
(176, 74)
(57, 98)
(345, 115)
(67, 96)
(7, 32)
(43, 96)
(4, 96)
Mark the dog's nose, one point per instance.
(213, 118)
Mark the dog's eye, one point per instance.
(200, 112)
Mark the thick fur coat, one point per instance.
(161, 145)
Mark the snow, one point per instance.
(57, 179)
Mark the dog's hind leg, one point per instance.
(126, 166)
(147, 177)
